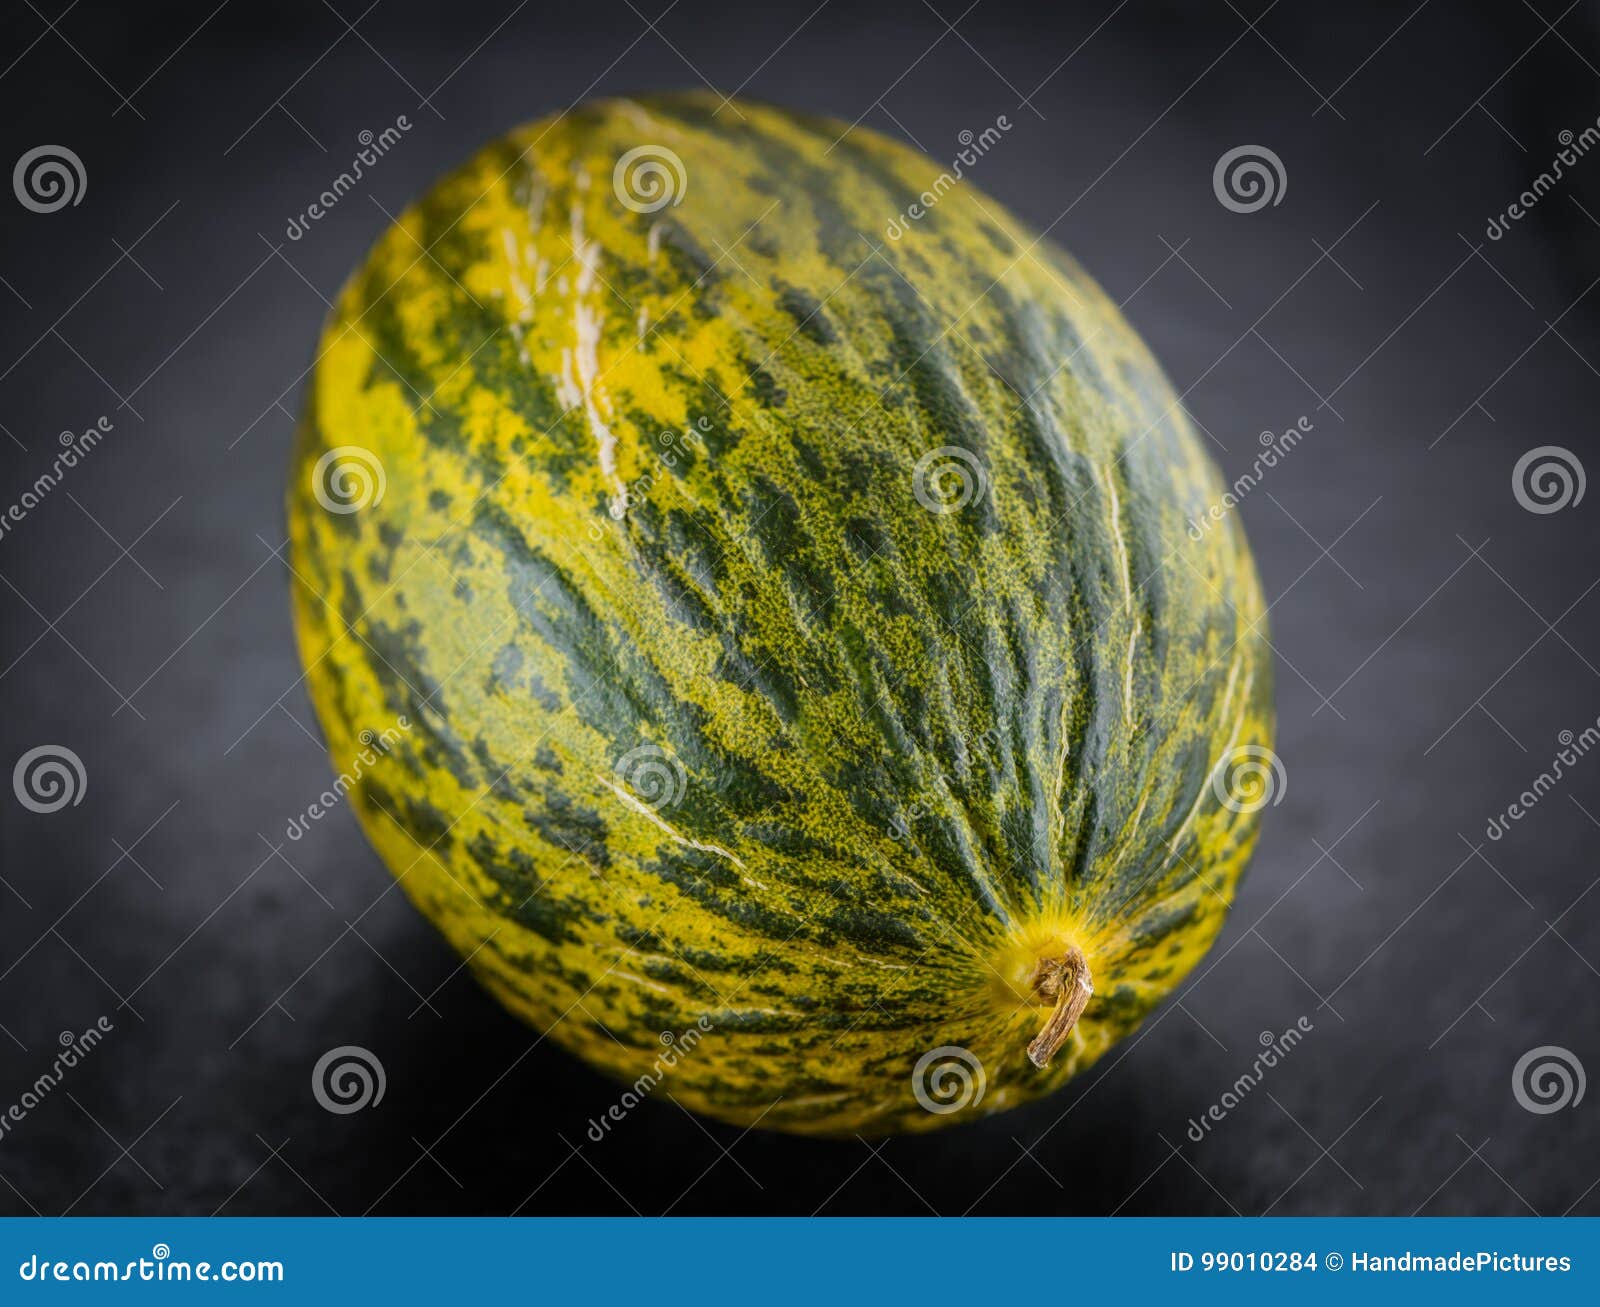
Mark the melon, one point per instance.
(800, 690)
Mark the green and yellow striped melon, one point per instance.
(781, 617)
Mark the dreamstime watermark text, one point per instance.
(1572, 750)
(674, 1048)
(671, 448)
(373, 748)
(1274, 1048)
(1572, 149)
(75, 446)
(973, 147)
(373, 147)
(1274, 448)
(74, 1048)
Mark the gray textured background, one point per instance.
(1434, 637)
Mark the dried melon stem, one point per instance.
(1065, 982)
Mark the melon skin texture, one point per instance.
(799, 633)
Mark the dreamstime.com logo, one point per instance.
(49, 177)
(347, 479)
(947, 479)
(1548, 479)
(652, 776)
(159, 1267)
(948, 1079)
(49, 778)
(1248, 178)
(648, 178)
(347, 1079)
(1547, 1079)
(1249, 779)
